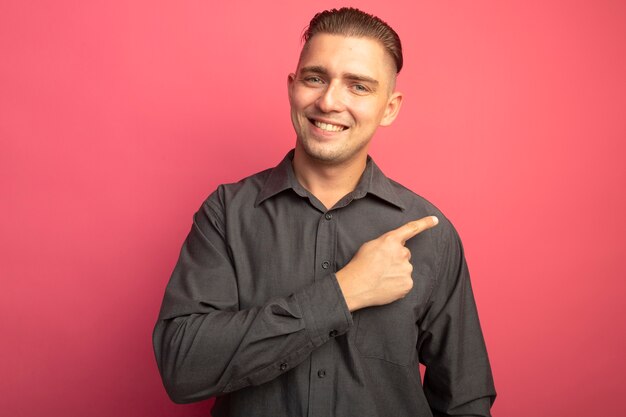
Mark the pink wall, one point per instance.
(118, 118)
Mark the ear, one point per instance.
(290, 80)
(393, 108)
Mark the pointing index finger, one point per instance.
(414, 228)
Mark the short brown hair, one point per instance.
(349, 21)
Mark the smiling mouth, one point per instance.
(328, 127)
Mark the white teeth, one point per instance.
(328, 127)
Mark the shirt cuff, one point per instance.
(325, 311)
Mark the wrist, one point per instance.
(346, 284)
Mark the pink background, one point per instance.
(118, 118)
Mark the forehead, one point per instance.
(341, 54)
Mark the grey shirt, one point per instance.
(253, 313)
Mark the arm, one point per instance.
(205, 345)
(458, 379)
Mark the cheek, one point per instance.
(302, 97)
(367, 111)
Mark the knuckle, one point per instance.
(387, 238)
(369, 246)
(415, 225)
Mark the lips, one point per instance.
(328, 127)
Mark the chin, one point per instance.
(324, 157)
(328, 155)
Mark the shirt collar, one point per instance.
(372, 181)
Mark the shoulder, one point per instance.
(417, 206)
(412, 201)
(230, 198)
(243, 192)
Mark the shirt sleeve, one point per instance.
(205, 345)
(458, 379)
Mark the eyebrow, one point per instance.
(316, 69)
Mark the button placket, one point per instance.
(322, 358)
(325, 244)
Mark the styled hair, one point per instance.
(349, 21)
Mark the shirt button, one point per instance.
(321, 373)
(283, 366)
(325, 264)
(333, 333)
(328, 216)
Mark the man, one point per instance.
(310, 289)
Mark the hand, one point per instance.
(380, 271)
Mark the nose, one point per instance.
(331, 99)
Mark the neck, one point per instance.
(327, 182)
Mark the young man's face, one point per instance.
(341, 92)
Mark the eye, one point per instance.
(313, 80)
(360, 88)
